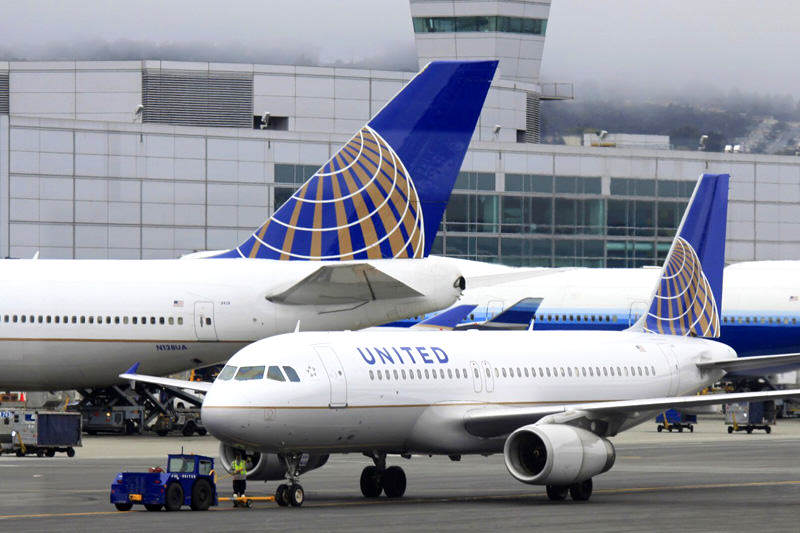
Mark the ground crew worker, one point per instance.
(239, 468)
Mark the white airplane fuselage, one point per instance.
(73, 324)
(409, 392)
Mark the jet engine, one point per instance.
(266, 466)
(555, 454)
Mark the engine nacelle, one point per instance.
(555, 454)
(265, 466)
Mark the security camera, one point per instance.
(265, 120)
(497, 128)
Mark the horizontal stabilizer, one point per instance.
(518, 316)
(446, 320)
(767, 364)
(493, 422)
(343, 283)
(200, 386)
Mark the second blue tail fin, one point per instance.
(382, 195)
(688, 297)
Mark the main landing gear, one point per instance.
(580, 492)
(378, 478)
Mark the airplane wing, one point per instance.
(131, 375)
(494, 422)
(762, 363)
(489, 280)
(343, 284)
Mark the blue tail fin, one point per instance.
(688, 297)
(448, 319)
(382, 195)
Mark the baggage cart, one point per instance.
(672, 419)
(748, 416)
(42, 433)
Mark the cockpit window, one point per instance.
(227, 373)
(247, 373)
(291, 373)
(275, 373)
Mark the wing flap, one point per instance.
(764, 363)
(345, 283)
(493, 422)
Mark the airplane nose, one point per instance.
(221, 422)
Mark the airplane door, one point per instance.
(204, 325)
(672, 365)
(637, 309)
(488, 376)
(476, 376)
(336, 377)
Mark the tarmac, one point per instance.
(702, 481)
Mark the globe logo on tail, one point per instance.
(361, 204)
(684, 303)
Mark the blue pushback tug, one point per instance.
(189, 480)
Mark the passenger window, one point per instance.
(171, 321)
(653, 369)
(477, 374)
(161, 320)
(108, 320)
(208, 321)
(83, 319)
(291, 374)
(583, 369)
(135, 320)
(248, 373)
(411, 375)
(441, 373)
(562, 372)
(47, 319)
(24, 318)
(31, 318)
(504, 372)
(380, 375)
(57, 318)
(591, 372)
(611, 369)
(396, 375)
(526, 372)
(403, 373)
(458, 375)
(548, 372)
(496, 373)
(227, 373)
(605, 371)
(91, 320)
(116, 320)
(153, 320)
(180, 320)
(274, 373)
(569, 371)
(639, 369)
(371, 375)
(427, 376)
(450, 373)
(74, 319)
(124, 320)
(419, 374)
(464, 372)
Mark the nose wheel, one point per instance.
(377, 479)
(292, 493)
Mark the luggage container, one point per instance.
(42, 433)
(747, 416)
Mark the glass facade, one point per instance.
(500, 24)
(548, 220)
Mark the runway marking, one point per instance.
(446, 499)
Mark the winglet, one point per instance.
(687, 298)
(133, 369)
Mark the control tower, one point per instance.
(512, 31)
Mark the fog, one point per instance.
(683, 47)
(626, 47)
(364, 33)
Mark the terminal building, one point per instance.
(156, 159)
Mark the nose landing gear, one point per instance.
(291, 493)
(378, 478)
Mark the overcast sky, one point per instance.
(676, 44)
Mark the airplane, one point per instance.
(348, 250)
(760, 313)
(547, 400)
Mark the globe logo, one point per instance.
(684, 303)
(361, 204)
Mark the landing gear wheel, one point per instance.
(201, 495)
(173, 497)
(282, 495)
(730, 429)
(557, 493)
(582, 491)
(393, 482)
(124, 506)
(153, 507)
(370, 482)
(296, 495)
